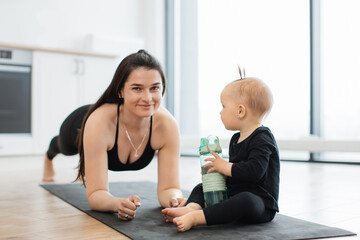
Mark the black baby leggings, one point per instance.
(244, 207)
(65, 142)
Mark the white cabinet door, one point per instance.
(56, 93)
(62, 83)
(96, 74)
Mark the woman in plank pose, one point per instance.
(122, 131)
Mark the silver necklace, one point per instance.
(136, 149)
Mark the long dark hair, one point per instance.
(141, 59)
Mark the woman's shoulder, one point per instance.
(165, 129)
(105, 111)
(103, 117)
(164, 119)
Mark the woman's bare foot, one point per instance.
(49, 173)
(190, 220)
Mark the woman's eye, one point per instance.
(155, 88)
(136, 88)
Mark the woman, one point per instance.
(122, 131)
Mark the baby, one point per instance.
(252, 170)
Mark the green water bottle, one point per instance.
(214, 186)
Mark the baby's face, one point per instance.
(229, 110)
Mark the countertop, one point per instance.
(56, 50)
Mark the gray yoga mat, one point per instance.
(149, 222)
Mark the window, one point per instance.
(271, 40)
(340, 81)
(269, 43)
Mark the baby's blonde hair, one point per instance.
(255, 94)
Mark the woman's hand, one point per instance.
(126, 207)
(218, 164)
(178, 202)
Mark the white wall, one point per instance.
(117, 27)
(66, 23)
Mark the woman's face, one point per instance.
(142, 92)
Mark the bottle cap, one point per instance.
(210, 143)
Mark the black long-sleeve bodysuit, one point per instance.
(253, 189)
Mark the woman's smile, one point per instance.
(146, 106)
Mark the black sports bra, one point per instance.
(114, 162)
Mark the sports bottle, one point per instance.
(214, 186)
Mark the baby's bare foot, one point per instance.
(184, 222)
(190, 220)
(171, 213)
(49, 173)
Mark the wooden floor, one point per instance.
(321, 193)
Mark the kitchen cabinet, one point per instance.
(62, 82)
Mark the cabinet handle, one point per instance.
(82, 64)
(76, 66)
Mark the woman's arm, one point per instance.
(168, 163)
(96, 168)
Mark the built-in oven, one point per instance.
(15, 95)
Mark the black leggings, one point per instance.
(66, 142)
(244, 207)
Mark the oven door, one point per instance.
(15, 99)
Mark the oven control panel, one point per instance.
(13, 56)
(5, 54)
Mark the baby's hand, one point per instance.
(218, 164)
